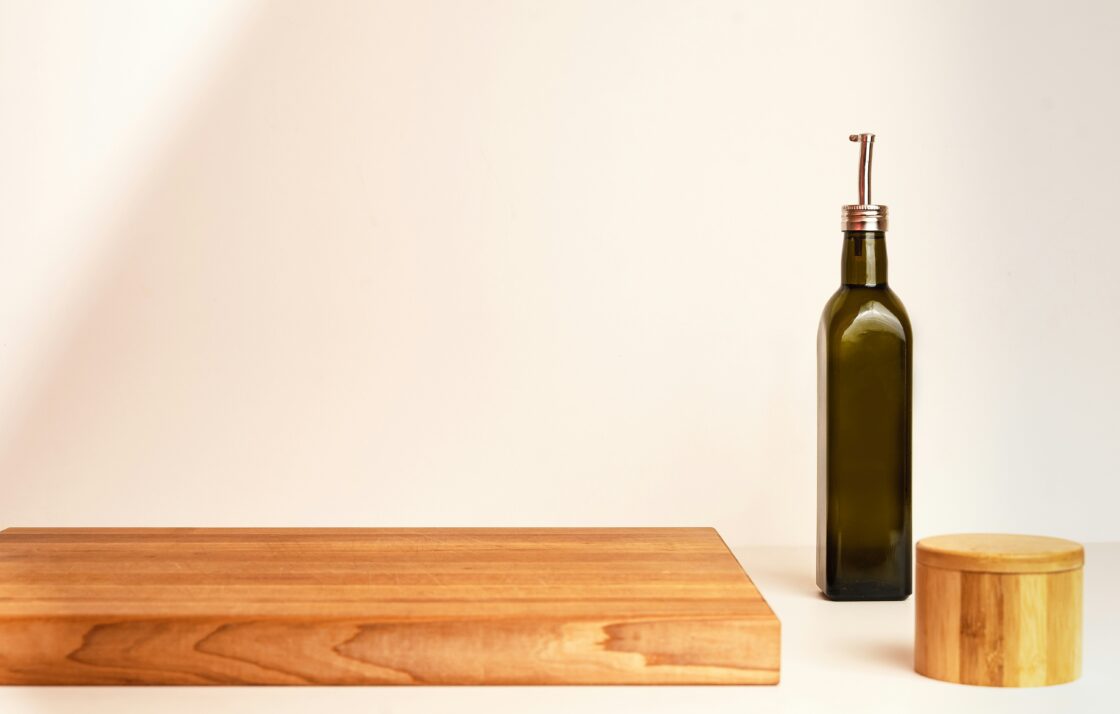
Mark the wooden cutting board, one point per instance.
(380, 606)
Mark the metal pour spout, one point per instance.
(866, 146)
(865, 215)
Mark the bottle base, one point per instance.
(865, 598)
(865, 593)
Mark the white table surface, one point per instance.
(836, 657)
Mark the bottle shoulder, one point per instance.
(876, 309)
(897, 306)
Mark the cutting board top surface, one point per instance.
(255, 571)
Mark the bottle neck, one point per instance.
(865, 259)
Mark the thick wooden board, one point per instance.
(380, 606)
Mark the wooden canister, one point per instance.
(999, 610)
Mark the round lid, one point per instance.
(1000, 553)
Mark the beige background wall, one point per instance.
(466, 263)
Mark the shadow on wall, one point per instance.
(269, 298)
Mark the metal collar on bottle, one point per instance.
(865, 215)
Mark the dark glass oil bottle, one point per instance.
(865, 356)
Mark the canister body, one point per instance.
(999, 629)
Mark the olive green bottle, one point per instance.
(864, 367)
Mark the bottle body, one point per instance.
(865, 367)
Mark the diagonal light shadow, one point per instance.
(207, 356)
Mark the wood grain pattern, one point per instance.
(1001, 628)
(937, 623)
(380, 606)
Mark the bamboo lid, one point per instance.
(1000, 553)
